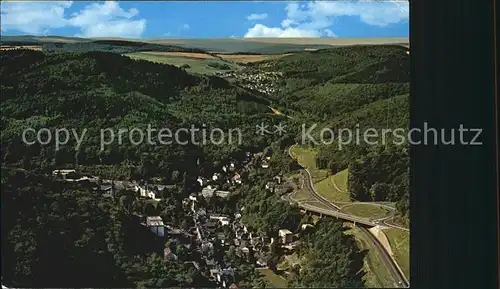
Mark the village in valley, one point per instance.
(213, 240)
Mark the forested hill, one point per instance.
(99, 90)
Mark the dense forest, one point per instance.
(116, 46)
(57, 234)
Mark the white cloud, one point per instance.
(33, 17)
(257, 16)
(94, 20)
(185, 26)
(315, 18)
(108, 19)
(260, 30)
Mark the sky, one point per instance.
(221, 19)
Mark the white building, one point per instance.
(285, 235)
(224, 221)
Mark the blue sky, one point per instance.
(140, 19)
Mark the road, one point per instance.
(334, 210)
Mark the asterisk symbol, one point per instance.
(262, 129)
(280, 129)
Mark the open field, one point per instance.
(377, 275)
(197, 64)
(275, 281)
(340, 180)
(247, 58)
(300, 195)
(334, 188)
(366, 210)
(182, 54)
(400, 245)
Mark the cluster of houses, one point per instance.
(210, 230)
(110, 187)
(214, 230)
(265, 82)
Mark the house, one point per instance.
(144, 192)
(62, 173)
(222, 219)
(192, 197)
(224, 168)
(155, 224)
(215, 177)
(264, 164)
(285, 235)
(233, 286)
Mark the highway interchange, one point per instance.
(334, 211)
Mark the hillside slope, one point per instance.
(96, 90)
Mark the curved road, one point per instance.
(334, 210)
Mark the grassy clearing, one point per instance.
(182, 54)
(400, 245)
(306, 157)
(340, 180)
(377, 275)
(300, 195)
(331, 187)
(197, 64)
(371, 211)
(276, 281)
